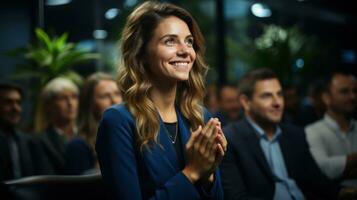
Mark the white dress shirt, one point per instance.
(330, 146)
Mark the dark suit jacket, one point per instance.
(246, 173)
(54, 146)
(151, 174)
(30, 155)
(80, 157)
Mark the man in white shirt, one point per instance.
(333, 139)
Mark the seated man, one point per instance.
(228, 104)
(20, 154)
(266, 159)
(333, 139)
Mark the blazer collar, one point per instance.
(286, 145)
(252, 139)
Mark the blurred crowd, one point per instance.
(66, 120)
(64, 131)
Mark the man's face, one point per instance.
(229, 102)
(10, 107)
(267, 103)
(342, 94)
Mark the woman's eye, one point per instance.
(170, 41)
(189, 42)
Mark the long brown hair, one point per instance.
(88, 120)
(133, 77)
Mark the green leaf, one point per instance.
(44, 39)
(60, 43)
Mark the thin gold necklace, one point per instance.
(172, 138)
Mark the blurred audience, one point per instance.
(333, 139)
(56, 119)
(292, 103)
(312, 108)
(210, 100)
(228, 104)
(266, 159)
(98, 93)
(20, 153)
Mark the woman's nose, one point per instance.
(182, 49)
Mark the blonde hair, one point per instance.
(50, 91)
(133, 77)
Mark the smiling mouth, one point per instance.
(180, 64)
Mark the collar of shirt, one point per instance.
(261, 133)
(333, 124)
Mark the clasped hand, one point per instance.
(205, 150)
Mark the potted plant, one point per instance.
(46, 58)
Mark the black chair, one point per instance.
(55, 187)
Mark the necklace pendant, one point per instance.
(172, 137)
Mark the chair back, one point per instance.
(57, 187)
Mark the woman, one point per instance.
(56, 117)
(99, 92)
(156, 145)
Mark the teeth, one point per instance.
(180, 63)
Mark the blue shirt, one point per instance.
(285, 187)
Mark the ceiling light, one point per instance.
(111, 13)
(57, 2)
(260, 10)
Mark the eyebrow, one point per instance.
(175, 36)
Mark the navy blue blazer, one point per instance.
(246, 173)
(151, 174)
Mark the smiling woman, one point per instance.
(170, 51)
(161, 144)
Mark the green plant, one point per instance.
(280, 48)
(48, 58)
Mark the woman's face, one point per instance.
(65, 106)
(106, 93)
(170, 51)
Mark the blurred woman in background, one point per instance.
(56, 118)
(99, 92)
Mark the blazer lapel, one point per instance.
(253, 144)
(185, 133)
(161, 159)
(286, 151)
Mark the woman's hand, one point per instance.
(222, 145)
(221, 149)
(205, 150)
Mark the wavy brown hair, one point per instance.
(134, 77)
